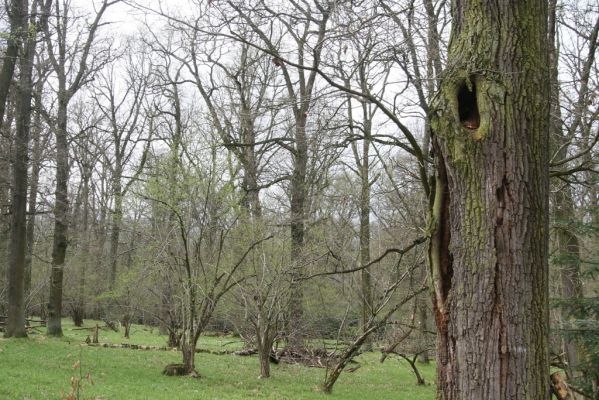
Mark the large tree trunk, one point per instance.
(61, 212)
(17, 12)
(15, 323)
(489, 222)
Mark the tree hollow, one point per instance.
(468, 106)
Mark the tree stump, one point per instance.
(95, 334)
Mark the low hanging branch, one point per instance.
(352, 349)
(401, 252)
(412, 362)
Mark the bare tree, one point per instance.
(15, 324)
(73, 67)
(307, 31)
(262, 296)
(121, 102)
(206, 250)
(17, 38)
(40, 141)
(572, 163)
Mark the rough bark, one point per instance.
(32, 199)
(189, 353)
(61, 214)
(265, 338)
(15, 322)
(297, 224)
(85, 232)
(59, 59)
(117, 216)
(422, 309)
(362, 160)
(264, 355)
(17, 12)
(6, 138)
(489, 222)
(367, 301)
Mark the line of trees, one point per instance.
(297, 170)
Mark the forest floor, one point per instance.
(43, 368)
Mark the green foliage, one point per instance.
(582, 325)
(584, 332)
(37, 368)
(78, 383)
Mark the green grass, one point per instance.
(41, 368)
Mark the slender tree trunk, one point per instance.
(250, 164)
(265, 363)
(264, 342)
(102, 212)
(367, 300)
(117, 217)
(422, 309)
(33, 189)
(566, 243)
(188, 348)
(15, 323)
(77, 74)
(433, 72)
(85, 248)
(567, 259)
(362, 161)
(6, 164)
(6, 146)
(490, 212)
(61, 212)
(351, 351)
(295, 334)
(188, 357)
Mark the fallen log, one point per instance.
(250, 352)
(246, 352)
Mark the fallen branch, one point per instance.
(560, 388)
(351, 351)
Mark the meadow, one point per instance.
(40, 367)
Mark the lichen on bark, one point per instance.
(488, 224)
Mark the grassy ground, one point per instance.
(41, 368)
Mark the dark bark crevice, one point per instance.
(490, 127)
(441, 235)
(498, 301)
(441, 262)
